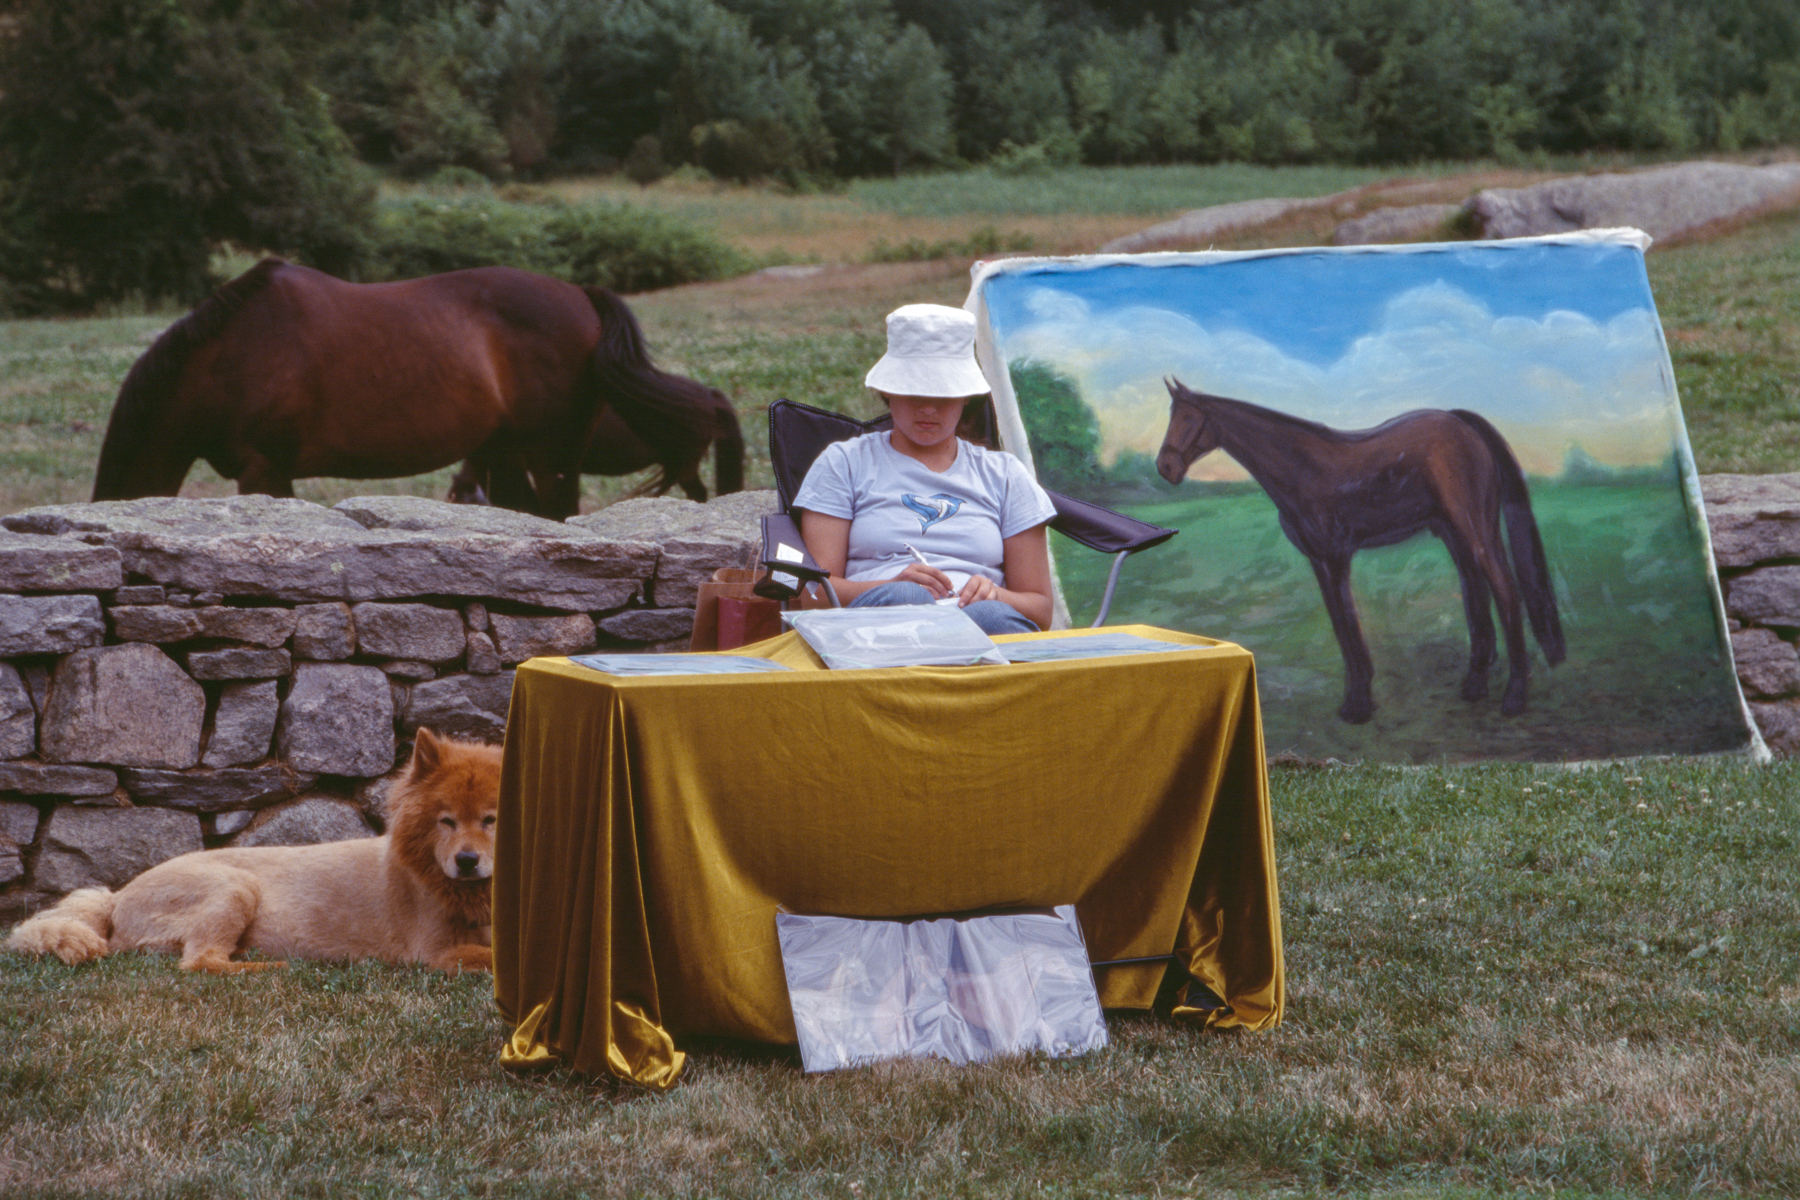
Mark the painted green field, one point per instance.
(1629, 579)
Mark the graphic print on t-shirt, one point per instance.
(931, 509)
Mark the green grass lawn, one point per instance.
(1731, 308)
(1501, 980)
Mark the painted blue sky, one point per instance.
(1557, 343)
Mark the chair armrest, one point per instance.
(1100, 528)
(784, 554)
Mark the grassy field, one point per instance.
(1731, 308)
(1501, 981)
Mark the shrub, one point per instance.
(615, 246)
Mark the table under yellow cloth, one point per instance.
(650, 826)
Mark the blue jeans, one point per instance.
(993, 616)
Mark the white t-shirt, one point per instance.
(957, 518)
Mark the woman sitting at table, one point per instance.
(916, 514)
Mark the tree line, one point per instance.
(255, 121)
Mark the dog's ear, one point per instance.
(428, 753)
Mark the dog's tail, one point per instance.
(75, 930)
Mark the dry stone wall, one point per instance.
(178, 674)
(1755, 524)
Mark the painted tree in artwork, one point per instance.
(1065, 437)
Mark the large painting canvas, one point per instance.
(1444, 493)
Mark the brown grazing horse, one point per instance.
(286, 373)
(681, 434)
(1340, 491)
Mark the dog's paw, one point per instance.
(70, 941)
(469, 957)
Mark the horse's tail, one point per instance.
(1529, 564)
(122, 473)
(77, 929)
(664, 410)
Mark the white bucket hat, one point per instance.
(931, 352)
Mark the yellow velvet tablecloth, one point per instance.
(650, 826)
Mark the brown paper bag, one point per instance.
(738, 582)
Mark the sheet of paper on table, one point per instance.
(1093, 645)
(959, 989)
(674, 664)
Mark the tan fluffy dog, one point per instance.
(418, 893)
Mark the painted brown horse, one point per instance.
(1444, 471)
(286, 373)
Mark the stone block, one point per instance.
(226, 824)
(412, 672)
(475, 616)
(128, 705)
(213, 790)
(243, 724)
(650, 624)
(1765, 596)
(164, 623)
(18, 822)
(160, 623)
(418, 514)
(519, 638)
(35, 563)
(12, 863)
(1752, 518)
(1766, 665)
(421, 632)
(472, 706)
(82, 847)
(140, 593)
(1779, 722)
(324, 632)
(49, 624)
(238, 662)
(266, 627)
(483, 658)
(305, 822)
(1661, 201)
(18, 714)
(47, 779)
(338, 719)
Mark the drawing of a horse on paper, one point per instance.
(1447, 472)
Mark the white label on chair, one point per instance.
(787, 553)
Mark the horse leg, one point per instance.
(690, 483)
(510, 487)
(1359, 669)
(466, 486)
(1476, 613)
(1490, 557)
(262, 477)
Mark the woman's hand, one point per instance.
(934, 580)
(979, 587)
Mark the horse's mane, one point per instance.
(152, 379)
(1273, 416)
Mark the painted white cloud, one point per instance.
(1547, 384)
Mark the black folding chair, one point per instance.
(799, 433)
